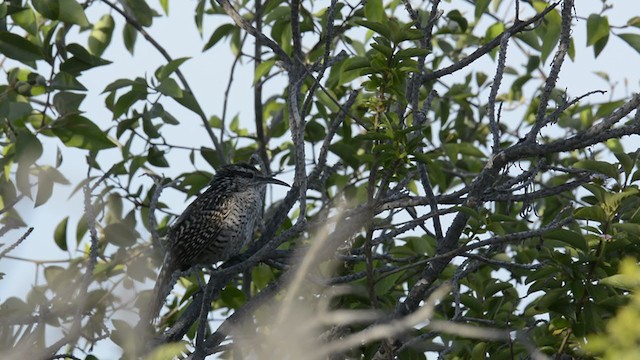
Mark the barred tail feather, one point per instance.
(161, 290)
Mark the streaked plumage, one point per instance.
(215, 226)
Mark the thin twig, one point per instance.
(257, 91)
(225, 102)
(558, 59)
(10, 204)
(87, 278)
(133, 22)
(325, 59)
(516, 28)
(17, 243)
(495, 86)
(462, 251)
(153, 204)
(246, 26)
(384, 331)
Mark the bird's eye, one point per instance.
(249, 171)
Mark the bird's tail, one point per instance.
(163, 286)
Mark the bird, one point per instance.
(214, 227)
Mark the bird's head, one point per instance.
(245, 175)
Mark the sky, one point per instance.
(207, 74)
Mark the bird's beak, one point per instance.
(270, 180)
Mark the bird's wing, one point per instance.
(197, 226)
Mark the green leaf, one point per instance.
(457, 18)
(234, 126)
(314, 132)
(81, 229)
(572, 238)
(47, 8)
(634, 21)
(200, 15)
(374, 10)
(170, 87)
(129, 36)
(66, 81)
(149, 128)
(26, 19)
(18, 48)
(189, 101)
(215, 122)
(281, 14)
(52, 274)
(18, 110)
(123, 335)
(532, 64)
(81, 61)
(549, 31)
(473, 303)
(28, 148)
(383, 49)
(124, 102)
(78, 131)
(595, 213)
(530, 38)
(355, 63)
(73, 13)
(222, 31)
(156, 111)
(261, 276)
(409, 34)
(626, 162)
(493, 31)
(121, 234)
(347, 152)
(493, 288)
(140, 11)
(67, 103)
(101, 34)
(210, 156)
(597, 191)
(597, 32)
(481, 7)
(263, 69)
(598, 167)
(45, 188)
(607, 108)
(374, 136)
(597, 28)
(412, 52)
(469, 211)
(233, 297)
(165, 6)
(628, 228)
(164, 71)
(379, 28)
(169, 119)
(60, 234)
(622, 281)
(22, 179)
(463, 148)
(633, 40)
(171, 350)
(156, 157)
(384, 285)
(118, 84)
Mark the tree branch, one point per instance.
(246, 26)
(516, 28)
(133, 22)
